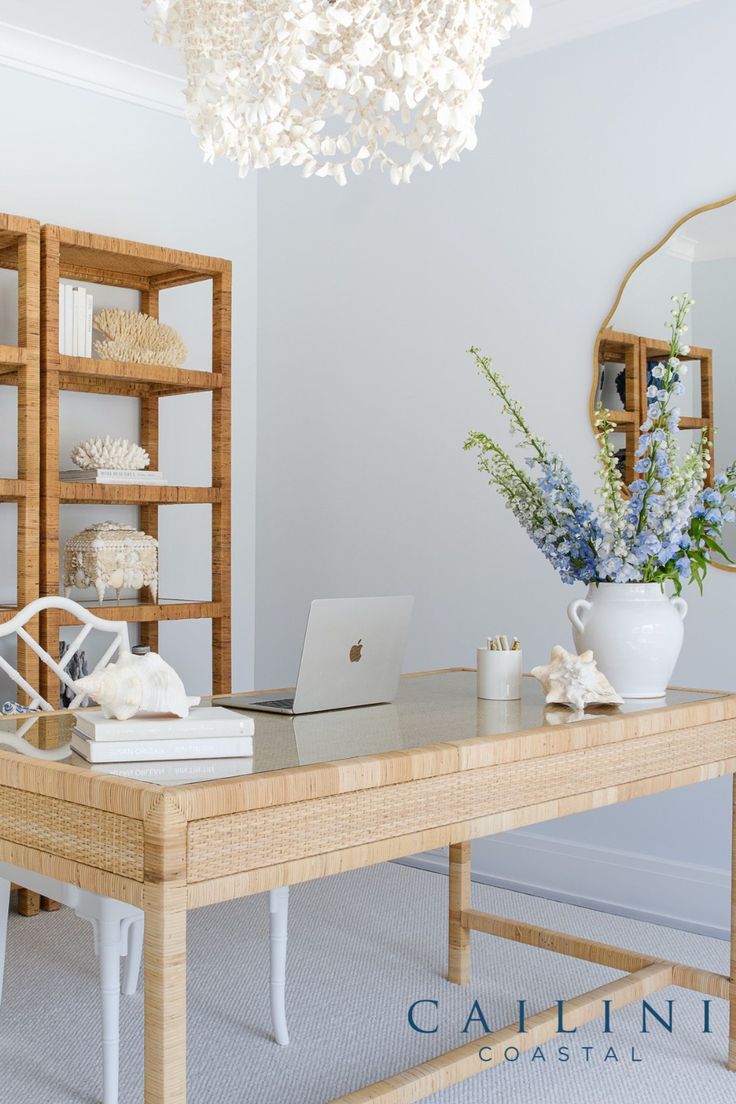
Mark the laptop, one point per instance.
(352, 655)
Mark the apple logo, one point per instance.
(356, 652)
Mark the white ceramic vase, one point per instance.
(635, 632)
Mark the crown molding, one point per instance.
(683, 248)
(96, 72)
(556, 22)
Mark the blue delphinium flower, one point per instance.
(667, 523)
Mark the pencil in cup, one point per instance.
(499, 674)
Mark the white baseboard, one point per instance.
(643, 887)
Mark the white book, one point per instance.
(68, 319)
(146, 751)
(112, 475)
(205, 722)
(80, 320)
(62, 320)
(88, 325)
(118, 473)
(178, 772)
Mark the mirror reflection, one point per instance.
(698, 258)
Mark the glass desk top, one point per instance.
(429, 709)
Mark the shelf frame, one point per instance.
(149, 613)
(105, 376)
(20, 250)
(652, 349)
(123, 494)
(635, 352)
(147, 269)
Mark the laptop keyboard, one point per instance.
(279, 703)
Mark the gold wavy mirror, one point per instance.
(697, 256)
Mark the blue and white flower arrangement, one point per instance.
(665, 525)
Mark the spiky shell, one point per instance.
(575, 680)
(137, 684)
(138, 338)
(110, 452)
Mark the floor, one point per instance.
(363, 947)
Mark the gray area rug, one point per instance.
(363, 946)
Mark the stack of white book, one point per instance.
(209, 732)
(113, 475)
(75, 321)
(178, 772)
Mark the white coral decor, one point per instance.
(332, 85)
(138, 338)
(112, 452)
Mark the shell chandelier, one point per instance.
(332, 86)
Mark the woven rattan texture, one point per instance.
(103, 840)
(265, 837)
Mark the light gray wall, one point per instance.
(89, 161)
(368, 297)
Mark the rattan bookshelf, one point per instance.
(19, 368)
(635, 353)
(147, 269)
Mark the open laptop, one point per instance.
(352, 655)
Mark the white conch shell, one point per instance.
(137, 684)
(112, 452)
(575, 680)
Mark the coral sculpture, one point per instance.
(112, 452)
(574, 680)
(138, 338)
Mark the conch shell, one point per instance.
(137, 684)
(575, 680)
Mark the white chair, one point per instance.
(118, 927)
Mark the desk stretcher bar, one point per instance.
(644, 976)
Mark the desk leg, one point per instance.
(165, 958)
(732, 984)
(165, 951)
(458, 969)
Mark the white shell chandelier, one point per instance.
(332, 86)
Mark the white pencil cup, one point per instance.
(499, 675)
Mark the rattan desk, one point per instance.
(334, 792)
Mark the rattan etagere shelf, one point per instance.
(118, 377)
(147, 269)
(635, 354)
(19, 368)
(142, 612)
(20, 251)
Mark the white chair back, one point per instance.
(117, 629)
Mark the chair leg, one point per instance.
(110, 952)
(278, 904)
(133, 960)
(4, 909)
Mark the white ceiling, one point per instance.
(114, 27)
(558, 21)
(107, 46)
